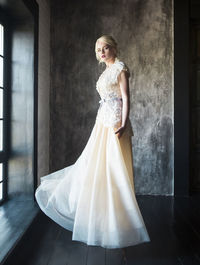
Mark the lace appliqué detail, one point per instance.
(110, 109)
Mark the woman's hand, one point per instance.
(120, 131)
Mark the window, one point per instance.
(3, 151)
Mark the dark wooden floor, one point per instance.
(173, 225)
(16, 216)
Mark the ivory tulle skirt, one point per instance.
(95, 196)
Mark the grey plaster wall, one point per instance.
(43, 87)
(144, 32)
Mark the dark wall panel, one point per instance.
(181, 95)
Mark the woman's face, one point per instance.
(105, 51)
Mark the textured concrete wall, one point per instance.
(43, 87)
(143, 30)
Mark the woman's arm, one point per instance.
(124, 86)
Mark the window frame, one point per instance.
(4, 154)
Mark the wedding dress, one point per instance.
(95, 196)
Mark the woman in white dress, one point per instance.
(95, 197)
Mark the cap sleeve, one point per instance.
(123, 67)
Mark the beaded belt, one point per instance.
(103, 100)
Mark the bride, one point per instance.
(95, 196)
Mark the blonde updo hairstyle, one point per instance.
(109, 40)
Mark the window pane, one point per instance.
(1, 72)
(1, 39)
(1, 135)
(1, 191)
(1, 171)
(1, 103)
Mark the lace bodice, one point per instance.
(107, 85)
(110, 109)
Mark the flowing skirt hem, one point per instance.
(95, 196)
